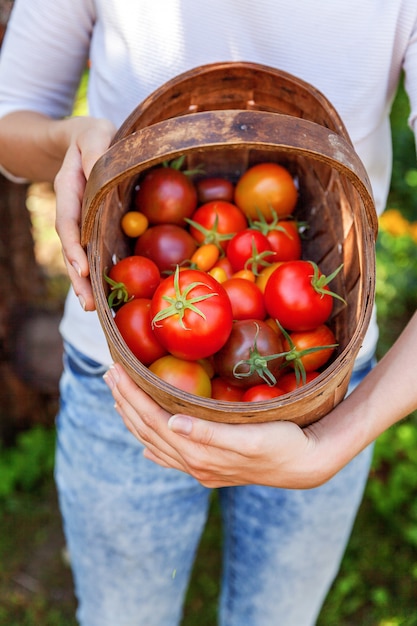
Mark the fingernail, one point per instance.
(76, 267)
(180, 424)
(82, 302)
(108, 379)
(114, 373)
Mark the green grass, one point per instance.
(35, 582)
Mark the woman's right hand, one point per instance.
(87, 139)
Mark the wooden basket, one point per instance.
(229, 116)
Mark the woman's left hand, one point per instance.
(278, 454)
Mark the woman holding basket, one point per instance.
(289, 496)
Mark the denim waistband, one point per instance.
(79, 363)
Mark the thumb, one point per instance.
(232, 437)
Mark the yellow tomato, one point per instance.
(263, 276)
(134, 223)
(218, 273)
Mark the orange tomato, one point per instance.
(134, 223)
(266, 188)
(205, 257)
(246, 274)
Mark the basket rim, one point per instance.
(216, 130)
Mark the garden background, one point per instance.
(378, 577)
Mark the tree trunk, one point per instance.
(30, 347)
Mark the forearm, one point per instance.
(33, 146)
(387, 395)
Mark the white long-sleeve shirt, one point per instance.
(353, 52)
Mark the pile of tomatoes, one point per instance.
(216, 298)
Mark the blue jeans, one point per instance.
(132, 527)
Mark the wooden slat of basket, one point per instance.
(234, 85)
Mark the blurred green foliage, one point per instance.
(404, 175)
(396, 285)
(26, 465)
(378, 578)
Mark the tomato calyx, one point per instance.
(176, 164)
(319, 281)
(180, 303)
(257, 363)
(258, 260)
(211, 235)
(266, 226)
(294, 356)
(118, 292)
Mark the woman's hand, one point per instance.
(37, 148)
(87, 138)
(278, 454)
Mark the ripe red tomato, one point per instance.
(216, 222)
(297, 296)
(284, 239)
(249, 356)
(167, 245)
(223, 390)
(303, 341)
(191, 314)
(214, 188)
(246, 299)
(166, 196)
(288, 382)
(257, 393)
(249, 249)
(132, 277)
(133, 320)
(265, 188)
(189, 376)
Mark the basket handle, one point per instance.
(218, 129)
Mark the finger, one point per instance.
(143, 417)
(69, 188)
(209, 480)
(148, 422)
(243, 439)
(134, 400)
(156, 456)
(156, 448)
(210, 477)
(139, 427)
